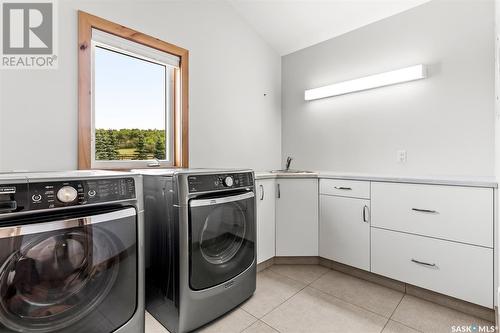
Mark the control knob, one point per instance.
(228, 181)
(67, 194)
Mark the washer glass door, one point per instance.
(222, 233)
(71, 275)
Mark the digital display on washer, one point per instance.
(81, 192)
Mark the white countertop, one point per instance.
(70, 174)
(435, 180)
(269, 174)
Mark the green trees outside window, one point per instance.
(129, 144)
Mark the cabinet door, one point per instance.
(266, 219)
(345, 230)
(297, 217)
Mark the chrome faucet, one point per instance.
(288, 162)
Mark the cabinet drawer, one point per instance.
(459, 270)
(345, 188)
(463, 214)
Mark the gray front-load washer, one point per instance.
(71, 252)
(200, 244)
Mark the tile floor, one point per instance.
(311, 298)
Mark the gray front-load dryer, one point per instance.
(200, 244)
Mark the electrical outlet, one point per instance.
(402, 156)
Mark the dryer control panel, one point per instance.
(216, 182)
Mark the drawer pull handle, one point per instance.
(423, 263)
(430, 211)
(343, 188)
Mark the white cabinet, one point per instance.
(344, 230)
(455, 269)
(433, 236)
(426, 235)
(462, 214)
(265, 191)
(297, 217)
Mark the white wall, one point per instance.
(232, 123)
(497, 88)
(497, 145)
(446, 122)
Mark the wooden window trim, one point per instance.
(181, 119)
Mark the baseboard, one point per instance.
(451, 302)
(428, 295)
(265, 264)
(296, 260)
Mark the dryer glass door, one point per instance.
(77, 274)
(222, 233)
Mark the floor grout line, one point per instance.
(319, 277)
(341, 299)
(277, 306)
(287, 299)
(239, 307)
(406, 325)
(353, 304)
(327, 269)
(274, 308)
(393, 311)
(385, 325)
(399, 303)
(247, 312)
(274, 328)
(257, 319)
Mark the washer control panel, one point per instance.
(205, 183)
(48, 195)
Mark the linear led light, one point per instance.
(411, 73)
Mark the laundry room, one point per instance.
(174, 166)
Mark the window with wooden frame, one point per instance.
(133, 98)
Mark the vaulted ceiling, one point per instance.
(291, 25)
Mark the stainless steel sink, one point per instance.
(291, 171)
